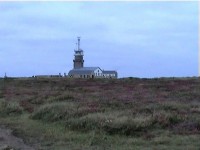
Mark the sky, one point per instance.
(137, 39)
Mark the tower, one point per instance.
(78, 56)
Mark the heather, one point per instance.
(126, 113)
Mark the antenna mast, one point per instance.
(79, 43)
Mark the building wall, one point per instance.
(82, 76)
(87, 76)
(98, 72)
(78, 62)
(109, 75)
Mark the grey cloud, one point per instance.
(143, 38)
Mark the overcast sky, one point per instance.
(138, 39)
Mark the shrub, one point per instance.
(58, 111)
(111, 123)
(3, 104)
(187, 127)
(10, 108)
(53, 112)
(174, 106)
(165, 119)
(26, 105)
(1, 95)
(61, 98)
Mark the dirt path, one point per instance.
(9, 141)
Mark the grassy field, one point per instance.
(96, 114)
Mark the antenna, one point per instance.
(79, 43)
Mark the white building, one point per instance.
(79, 71)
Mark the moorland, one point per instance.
(95, 114)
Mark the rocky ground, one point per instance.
(10, 142)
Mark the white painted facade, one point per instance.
(98, 72)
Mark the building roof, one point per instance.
(109, 72)
(82, 71)
(89, 68)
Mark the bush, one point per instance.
(1, 95)
(10, 108)
(61, 98)
(112, 123)
(124, 123)
(164, 119)
(60, 111)
(53, 112)
(174, 106)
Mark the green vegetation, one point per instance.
(131, 113)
